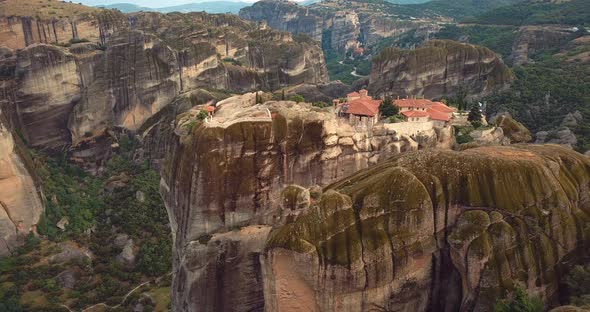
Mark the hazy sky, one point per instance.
(148, 3)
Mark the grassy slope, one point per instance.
(43, 8)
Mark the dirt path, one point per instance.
(103, 304)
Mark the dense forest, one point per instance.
(120, 209)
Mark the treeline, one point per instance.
(575, 13)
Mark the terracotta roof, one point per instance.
(414, 113)
(413, 103)
(442, 107)
(352, 94)
(364, 107)
(438, 115)
(210, 108)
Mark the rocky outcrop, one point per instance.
(340, 25)
(434, 230)
(534, 39)
(512, 129)
(17, 32)
(438, 68)
(228, 172)
(20, 201)
(75, 96)
(563, 136)
(285, 16)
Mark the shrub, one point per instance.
(78, 40)
(520, 302)
(297, 98)
(578, 283)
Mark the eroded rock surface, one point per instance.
(436, 230)
(20, 201)
(75, 96)
(438, 68)
(229, 172)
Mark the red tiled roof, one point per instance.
(210, 108)
(414, 113)
(353, 94)
(438, 115)
(442, 107)
(364, 107)
(413, 103)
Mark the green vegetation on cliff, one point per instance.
(546, 91)
(98, 209)
(520, 302)
(578, 285)
(464, 8)
(574, 12)
(497, 38)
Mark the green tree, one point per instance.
(155, 257)
(387, 108)
(520, 302)
(475, 116)
(578, 283)
(297, 98)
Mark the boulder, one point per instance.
(62, 223)
(140, 196)
(67, 278)
(127, 257)
(70, 251)
(513, 130)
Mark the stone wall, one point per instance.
(409, 128)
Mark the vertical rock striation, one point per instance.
(436, 230)
(229, 173)
(20, 203)
(438, 68)
(73, 97)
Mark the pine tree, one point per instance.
(475, 116)
(387, 108)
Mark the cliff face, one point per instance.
(341, 25)
(438, 68)
(285, 16)
(20, 203)
(230, 172)
(532, 39)
(72, 95)
(17, 32)
(435, 230)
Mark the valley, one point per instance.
(334, 155)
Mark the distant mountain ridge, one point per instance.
(206, 6)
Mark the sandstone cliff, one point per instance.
(534, 39)
(285, 16)
(20, 201)
(19, 31)
(438, 68)
(229, 172)
(435, 230)
(340, 25)
(74, 95)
